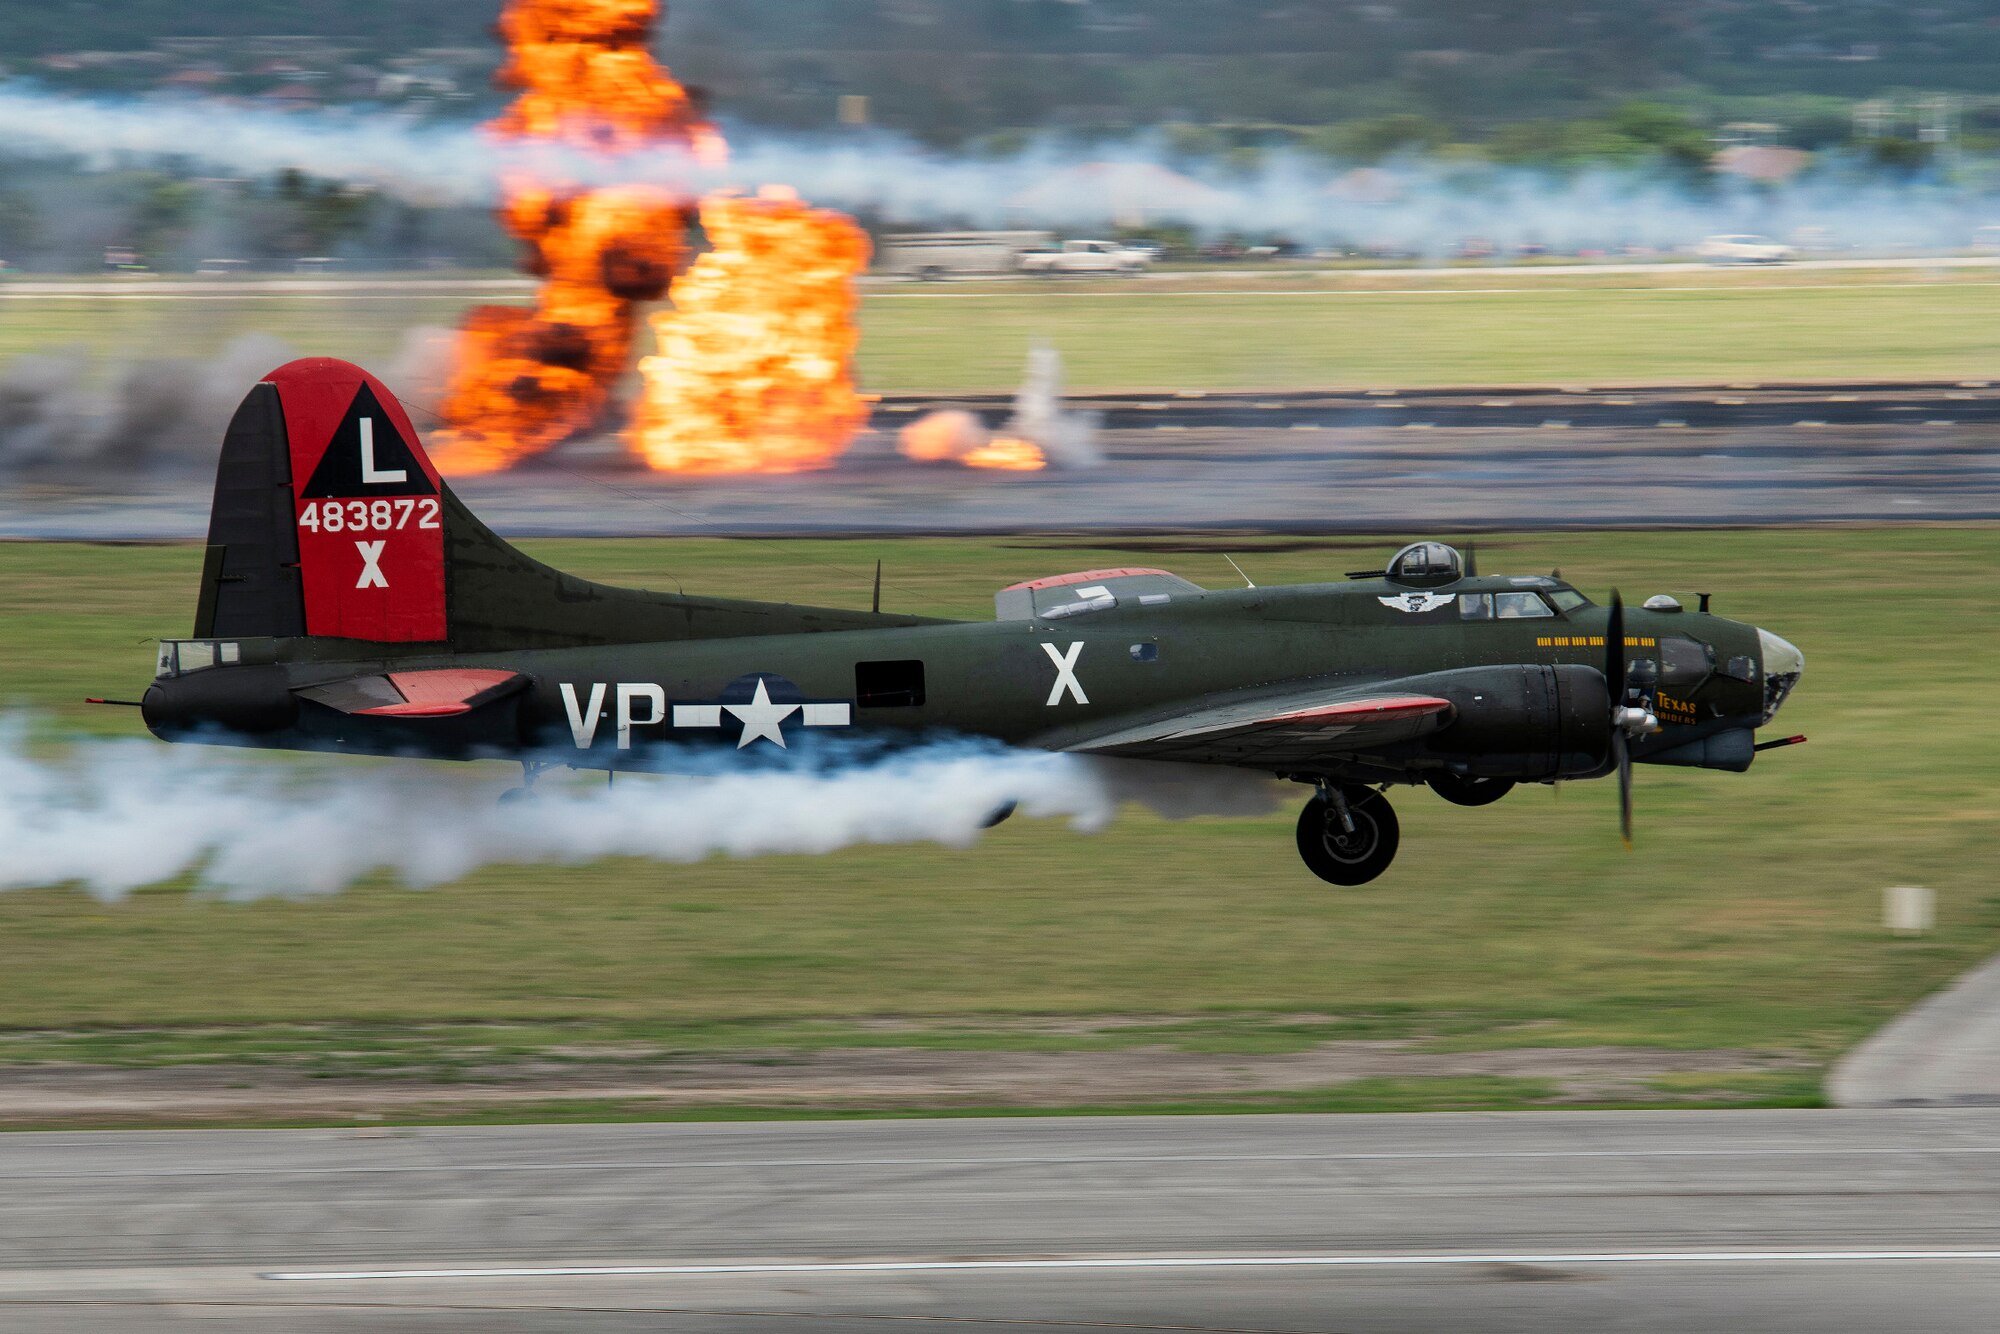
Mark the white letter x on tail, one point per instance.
(1066, 682)
(371, 565)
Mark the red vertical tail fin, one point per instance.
(329, 517)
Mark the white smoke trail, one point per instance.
(448, 164)
(1069, 439)
(70, 410)
(60, 410)
(112, 816)
(1417, 205)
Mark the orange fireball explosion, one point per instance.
(755, 366)
(953, 435)
(527, 378)
(1005, 451)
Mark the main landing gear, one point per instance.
(530, 771)
(1348, 834)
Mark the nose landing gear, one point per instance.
(1348, 834)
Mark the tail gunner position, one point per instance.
(349, 602)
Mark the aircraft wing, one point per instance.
(1277, 729)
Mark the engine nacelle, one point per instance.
(1530, 723)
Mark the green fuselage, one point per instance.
(1034, 681)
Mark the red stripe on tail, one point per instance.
(368, 504)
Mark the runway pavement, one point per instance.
(1439, 482)
(347, 285)
(1944, 1052)
(1694, 407)
(1408, 461)
(1636, 1222)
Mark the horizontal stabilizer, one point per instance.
(441, 693)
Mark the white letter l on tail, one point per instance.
(369, 475)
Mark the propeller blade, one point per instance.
(1624, 754)
(1614, 680)
(1614, 651)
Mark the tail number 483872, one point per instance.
(369, 516)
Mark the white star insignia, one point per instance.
(761, 717)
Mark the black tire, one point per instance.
(1342, 858)
(514, 796)
(1467, 790)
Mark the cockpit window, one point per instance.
(1568, 599)
(1519, 606)
(1475, 606)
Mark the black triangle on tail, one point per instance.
(367, 457)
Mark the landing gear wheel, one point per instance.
(1344, 856)
(1467, 790)
(530, 771)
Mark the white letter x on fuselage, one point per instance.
(1066, 682)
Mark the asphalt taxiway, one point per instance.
(1167, 467)
(1514, 407)
(1943, 1052)
(1781, 1221)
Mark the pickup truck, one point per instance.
(1744, 250)
(1085, 257)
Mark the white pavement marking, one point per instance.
(1251, 293)
(1144, 1262)
(1038, 1160)
(30, 288)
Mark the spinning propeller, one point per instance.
(1629, 717)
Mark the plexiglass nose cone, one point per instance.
(1781, 656)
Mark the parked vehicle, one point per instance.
(1744, 249)
(933, 256)
(1086, 257)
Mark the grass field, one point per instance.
(1747, 918)
(1231, 334)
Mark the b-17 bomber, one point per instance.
(351, 603)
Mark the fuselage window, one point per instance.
(1519, 606)
(889, 685)
(1475, 606)
(1684, 662)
